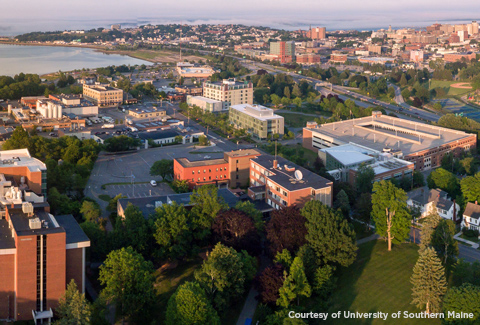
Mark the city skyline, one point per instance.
(348, 14)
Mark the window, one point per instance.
(209, 178)
(237, 169)
(199, 179)
(193, 172)
(209, 170)
(193, 179)
(204, 179)
(225, 176)
(204, 171)
(199, 171)
(237, 176)
(221, 176)
(221, 168)
(217, 169)
(237, 161)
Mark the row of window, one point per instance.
(204, 171)
(210, 178)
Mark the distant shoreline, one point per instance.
(97, 48)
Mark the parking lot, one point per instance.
(138, 190)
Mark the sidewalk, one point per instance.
(457, 237)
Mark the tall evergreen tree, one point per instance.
(443, 241)
(465, 298)
(389, 212)
(428, 227)
(429, 283)
(295, 285)
(73, 308)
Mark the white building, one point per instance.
(49, 108)
(425, 199)
(471, 216)
(206, 104)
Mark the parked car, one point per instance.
(53, 134)
(153, 183)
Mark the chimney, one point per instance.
(275, 164)
(476, 202)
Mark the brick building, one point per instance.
(103, 95)
(284, 51)
(338, 57)
(317, 33)
(39, 253)
(454, 57)
(281, 183)
(231, 171)
(308, 58)
(419, 143)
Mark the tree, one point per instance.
(132, 230)
(428, 227)
(469, 164)
(324, 282)
(234, 228)
(189, 305)
(180, 186)
(342, 203)
(286, 92)
(295, 285)
(418, 179)
(223, 276)
(206, 205)
(403, 80)
(363, 208)
(256, 215)
(268, 284)
(471, 188)
(284, 258)
(73, 308)
(91, 212)
(296, 91)
(162, 168)
(443, 242)
(429, 284)
(19, 139)
(286, 230)
(297, 102)
(364, 178)
(203, 140)
(112, 204)
(128, 281)
(445, 180)
(173, 230)
(389, 212)
(329, 234)
(465, 298)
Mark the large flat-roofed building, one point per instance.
(229, 92)
(454, 57)
(103, 95)
(188, 70)
(232, 170)
(147, 112)
(75, 104)
(258, 120)
(24, 169)
(284, 51)
(317, 33)
(419, 143)
(282, 183)
(39, 253)
(206, 104)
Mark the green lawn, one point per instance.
(378, 281)
(449, 90)
(296, 120)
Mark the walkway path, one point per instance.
(367, 239)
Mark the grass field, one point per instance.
(296, 120)
(449, 90)
(378, 281)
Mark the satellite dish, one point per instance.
(298, 175)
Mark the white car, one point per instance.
(153, 183)
(207, 157)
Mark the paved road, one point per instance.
(469, 254)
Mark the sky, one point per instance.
(22, 16)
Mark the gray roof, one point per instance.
(147, 204)
(74, 232)
(156, 135)
(437, 196)
(472, 210)
(286, 178)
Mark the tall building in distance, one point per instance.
(285, 51)
(317, 33)
(229, 92)
(39, 252)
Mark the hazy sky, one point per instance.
(27, 15)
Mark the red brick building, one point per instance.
(454, 57)
(308, 58)
(39, 253)
(231, 171)
(281, 183)
(317, 33)
(338, 57)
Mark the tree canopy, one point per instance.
(286, 230)
(73, 308)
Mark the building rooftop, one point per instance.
(242, 153)
(472, 210)
(20, 157)
(258, 111)
(423, 196)
(148, 204)
(21, 222)
(184, 162)
(205, 99)
(285, 177)
(155, 135)
(74, 232)
(380, 132)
